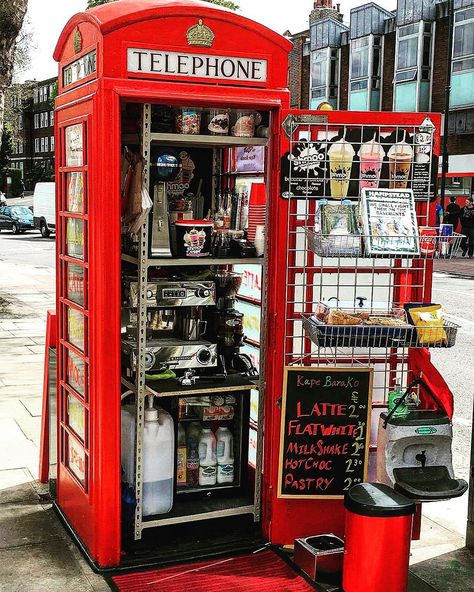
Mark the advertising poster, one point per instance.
(74, 146)
(339, 162)
(389, 221)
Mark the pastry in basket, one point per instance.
(385, 322)
(339, 317)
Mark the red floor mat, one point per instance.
(259, 572)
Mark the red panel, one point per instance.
(284, 520)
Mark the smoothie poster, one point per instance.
(340, 162)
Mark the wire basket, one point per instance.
(419, 246)
(381, 336)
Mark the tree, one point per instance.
(6, 148)
(225, 3)
(12, 14)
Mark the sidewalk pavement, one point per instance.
(461, 266)
(36, 554)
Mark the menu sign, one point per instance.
(325, 431)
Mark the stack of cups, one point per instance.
(256, 224)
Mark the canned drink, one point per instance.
(446, 232)
(428, 241)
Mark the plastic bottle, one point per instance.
(225, 455)
(192, 466)
(158, 461)
(393, 397)
(193, 433)
(207, 458)
(181, 458)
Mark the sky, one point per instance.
(46, 19)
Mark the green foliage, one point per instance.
(6, 148)
(38, 172)
(225, 3)
(54, 94)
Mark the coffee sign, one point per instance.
(324, 441)
(196, 65)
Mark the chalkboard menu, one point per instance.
(325, 429)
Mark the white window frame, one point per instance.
(370, 67)
(51, 118)
(42, 144)
(327, 87)
(419, 68)
(458, 59)
(51, 143)
(37, 145)
(36, 121)
(35, 95)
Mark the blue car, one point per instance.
(16, 218)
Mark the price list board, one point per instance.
(325, 430)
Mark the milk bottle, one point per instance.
(225, 455)
(207, 458)
(158, 460)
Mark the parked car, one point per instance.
(44, 211)
(16, 218)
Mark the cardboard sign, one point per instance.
(325, 431)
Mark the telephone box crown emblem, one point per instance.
(77, 41)
(200, 35)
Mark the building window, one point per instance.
(20, 121)
(42, 145)
(51, 118)
(364, 89)
(462, 78)
(413, 67)
(324, 76)
(51, 143)
(35, 95)
(37, 145)
(36, 121)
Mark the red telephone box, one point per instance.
(127, 73)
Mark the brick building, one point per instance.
(393, 61)
(30, 116)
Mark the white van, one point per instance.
(44, 208)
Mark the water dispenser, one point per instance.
(414, 453)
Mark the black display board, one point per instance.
(325, 430)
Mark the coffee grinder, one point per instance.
(229, 325)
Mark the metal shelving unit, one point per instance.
(201, 262)
(207, 141)
(237, 504)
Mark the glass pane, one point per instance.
(408, 30)
(76, 459)
(75, 192)
(75, 238)
(75, 328)
(463, 15)
(461, 89)
(463, 40)
(360, 63)
(407, 53)
(76, 416)
(76, 372)
(75, 283)
(319, 68)
(74, 145)
(405, 96)
(460, 65)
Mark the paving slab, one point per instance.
(17, 450)
(16, 487)
(46, 567)
(27, 524)
(450, 572)
(33, 405)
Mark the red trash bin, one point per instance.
(377, 539)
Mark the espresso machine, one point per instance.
(228, 325)
(175, 328)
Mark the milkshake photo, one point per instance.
(400, 157)
(341, 155)
(371, 156)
